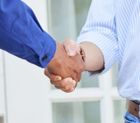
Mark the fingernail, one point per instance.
(58, 78)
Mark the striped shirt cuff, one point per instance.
(108, 46)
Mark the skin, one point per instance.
(94, 61)
(63, 66)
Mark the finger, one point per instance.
(71, 47)
(66, 89)
(69, 88)
(52, 77)
(66, 85)
(75, 76)
(57, 87)
(63, 83)
(78, 48)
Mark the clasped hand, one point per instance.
(66, 67)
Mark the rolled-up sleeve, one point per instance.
(100, 29)
(22, 35)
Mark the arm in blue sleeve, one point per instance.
(21, 34)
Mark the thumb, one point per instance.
(71, 47)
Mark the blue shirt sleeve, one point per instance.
(22, 35)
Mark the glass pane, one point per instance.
(119, 111)
(80, 112)
(88, 81)
(81, 10)
(62, 19)
(66, 21)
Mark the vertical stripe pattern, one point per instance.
(114, 26)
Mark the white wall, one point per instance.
(27, 88)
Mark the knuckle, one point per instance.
(55, 83)
(64, 85)
(58, 63)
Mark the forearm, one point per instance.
(94, 60)
(22, 35)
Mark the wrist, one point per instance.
(93, 57)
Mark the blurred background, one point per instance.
(26, 95)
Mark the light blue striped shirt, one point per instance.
(114, 26)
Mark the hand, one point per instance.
(94, 60)
(64, 66)
(72, 48)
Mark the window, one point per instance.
(96, 100)
(76, 112)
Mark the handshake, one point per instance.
(65, 68)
